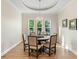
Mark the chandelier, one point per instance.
(40, 4)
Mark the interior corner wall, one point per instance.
(10, 25)
(69, 36)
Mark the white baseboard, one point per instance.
(2, 54)
(71, 51)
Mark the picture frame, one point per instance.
(64, 23)
(73, 24)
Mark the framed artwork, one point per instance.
(73, 24)
(64, 23)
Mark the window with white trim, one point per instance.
(48, 26)
(39, 27)
(31, 25)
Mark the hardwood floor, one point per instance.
(18, 53)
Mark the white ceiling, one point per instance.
(40, 4)
(60, 5)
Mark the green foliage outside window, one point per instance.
(31, 25)
(31, 29)
(39, 24)
(47, 24)
(47, 30)
(39, 27)
(39, 31)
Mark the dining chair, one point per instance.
(25, 41)
(32, 34)
(33, 46)
(50, 47)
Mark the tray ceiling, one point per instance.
(60, 4)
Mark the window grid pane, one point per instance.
(31, 25)
(47, 27)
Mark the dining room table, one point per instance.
(43, 39)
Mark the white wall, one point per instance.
(69, 36)
(10, 26)
(53, 18)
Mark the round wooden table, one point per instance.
(44, 39)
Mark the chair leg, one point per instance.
(29, 51)
(49, 54)
(37, 53)
(24, 49)
(49, 51)
(55, 50)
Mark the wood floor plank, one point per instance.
(18, 53)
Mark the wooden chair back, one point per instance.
(32, 34)
(32, 40)
(53, 40)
